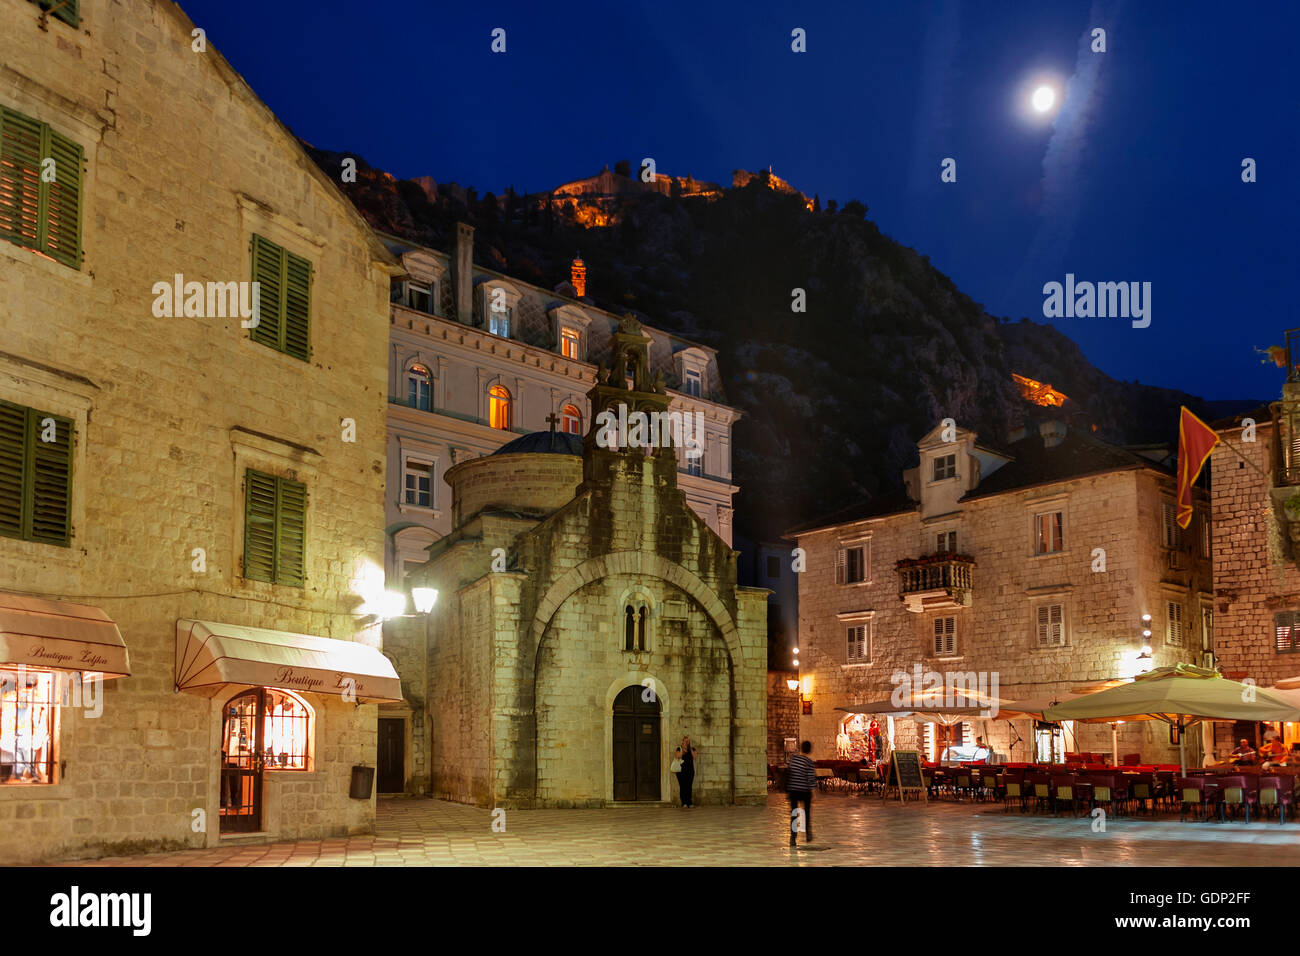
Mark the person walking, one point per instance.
(800, 779)
(684, 760)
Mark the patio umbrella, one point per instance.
(1180, 696)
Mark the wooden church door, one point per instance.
(636, 746)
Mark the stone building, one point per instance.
(477, 358)
(1256, 585)
(1033, 565)
(187, 498)
(588, 618)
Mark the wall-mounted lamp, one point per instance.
(425, 599)
(793, 684)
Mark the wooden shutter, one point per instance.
(297, 306)
(840, 561)
(20, 179)
(51, 478)
(290, 538)
(63, 201)
(945, 636)
(268, 272)
(13, 443)
(68, 11)
(1283, 629)
(259, 526)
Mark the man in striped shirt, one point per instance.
(800, 779)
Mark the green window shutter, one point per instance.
(268, 272)
(297, 306)
(290, 538)
(67, 11)
(20, 179)
(259, 526)
(51, 478)
(13, 468)
(62, 219)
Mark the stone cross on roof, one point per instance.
(554, 420)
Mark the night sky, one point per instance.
(1137, 177)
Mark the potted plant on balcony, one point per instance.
(1292, 507)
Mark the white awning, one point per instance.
(211, 656)
(57, 635)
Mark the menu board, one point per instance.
(905, 773)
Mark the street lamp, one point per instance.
(424, 598)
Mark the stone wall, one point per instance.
(782, 715)
(168, 411)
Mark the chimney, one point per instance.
(578, 276)
(1053, 433)
(462, 273)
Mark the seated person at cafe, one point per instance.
(983, 751)
(1244, 753)
(1272, 751)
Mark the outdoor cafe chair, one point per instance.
(1235, 790)
(1013, 788)
(1142, 791)
(963, 782)
(1104, 792)
(1194, 797)
(990, 784)
(1040, 788)
(1064, 790)
(1276, 791)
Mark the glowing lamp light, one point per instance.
(391, 604)
(424, 598)
(1146, 650)
(792, 683)
(807, 686)
(796, 662)
(796, 652)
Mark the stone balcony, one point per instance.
(935, 582)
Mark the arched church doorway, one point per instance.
(636, 745)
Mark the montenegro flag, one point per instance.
(1195, 442)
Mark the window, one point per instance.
(695, 466)
(499, 322)
(859, 650)
(419, 296)
(945, 466)
(1173, 624)
(28, 729)
(1207, 627)
(1051, 625)
(570, 420)
(1168, 525)
(41, 215)
(419, 388)
(634, 626)
(1047, 533)
(569, 342)
(691, 384)
(946, 542)
(945, 636)
(67, 12)
(851, 565)
(284, 303)
(275, 521)
(1205, 533)
(274, 724)
(773, 566)
(35, 475)
(1286, 632)
(419, 483)
(499, 407)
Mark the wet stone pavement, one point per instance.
(848, 830)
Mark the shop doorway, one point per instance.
(636, 745)
(391, 761)
(242, 764)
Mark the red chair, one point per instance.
(1014, 788)
(1236, 791)
(1142, 790)
(1132, 760)
(1194, 796)
(1276, 791)
(1040, 788)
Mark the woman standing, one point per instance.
(685, 759)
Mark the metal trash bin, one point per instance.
(363, 783)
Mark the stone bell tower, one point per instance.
(644, 443)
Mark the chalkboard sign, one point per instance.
(905, 774)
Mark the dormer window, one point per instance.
(499, 323)
(570, 343)
(945, 466)
(692, 382)
(419, 296)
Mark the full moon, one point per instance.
(1043, 98)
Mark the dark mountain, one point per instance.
(834, 397)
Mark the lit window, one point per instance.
(261, 729)
(945, 466)
(1047, 533)
(570, 420)
(945, 636)
(419, 483)
(692, 382)
(1051, 625)
(499, 322)
(569, 342)
(1286, 632)
(499, 407)
(419, 388)
(1173, 624)
(28, 732)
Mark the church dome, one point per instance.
(543, 443)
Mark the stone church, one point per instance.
(587, 620)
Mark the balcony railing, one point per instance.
(1286, 449)
(936, 581)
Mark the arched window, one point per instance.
(640, 628)
(273, 724)
(571, 420)
(636, 615)
(499, 407)
(419, 388)
(629, 629)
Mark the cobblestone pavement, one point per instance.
(852, 830)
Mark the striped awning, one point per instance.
(58, 635)
(212, 656)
